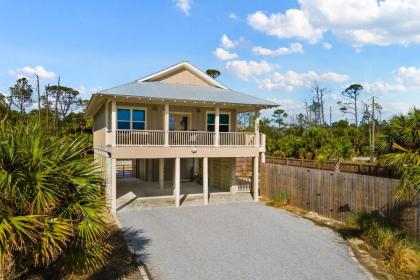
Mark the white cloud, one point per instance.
(289, 105)
(29, 72)
(233, 16)
(293, 48)
(406, 79)
(226, 42)
(409, 76)
(291, 80)
(396, 107)
(292, 24)
(224, 54)
(327, 46)
(367, 22)
(184, 6)
(384, 87)
(86, 92)
(244, 69)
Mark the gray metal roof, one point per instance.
(185, 92)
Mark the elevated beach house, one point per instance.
(176, 126)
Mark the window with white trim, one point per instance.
(223, 122)
(134, 119)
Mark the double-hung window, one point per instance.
(223, 122)
(134, 119)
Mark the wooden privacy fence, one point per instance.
(351, 167)
(337, 194)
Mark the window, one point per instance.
(138, 119)
(131, 119)
(223, 122)
(123, 117)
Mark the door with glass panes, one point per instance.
(179, 122)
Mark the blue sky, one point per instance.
(270, 49)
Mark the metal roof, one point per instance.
(172, 91)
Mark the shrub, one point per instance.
(400, 253)
(51, 203)
(280, 198)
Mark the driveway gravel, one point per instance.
(237, 241)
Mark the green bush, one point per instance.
(280, 197)
(400, 253)
(51, 203)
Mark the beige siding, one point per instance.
(99, 128)
(183, 77)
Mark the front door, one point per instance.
(179, 122)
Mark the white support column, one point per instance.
(206, 180)
(257, 128)
(161, 173)
(177, 180)
(113, 185)
(255, 180)
(149, 170)
(107, 124)
(166, 125)
(262, 157)
(216, 127)
(114, 123)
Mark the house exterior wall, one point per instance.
(99, 128)
(155, 114)
(183, 77)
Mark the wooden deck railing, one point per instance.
(125, 137)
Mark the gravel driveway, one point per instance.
(237, 241)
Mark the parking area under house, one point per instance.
(136, 194)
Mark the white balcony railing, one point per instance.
(191, 138)
(237, 139)
(126, 137)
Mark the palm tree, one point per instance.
(399, 142)
(51, 203)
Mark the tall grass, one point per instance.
(400, 253)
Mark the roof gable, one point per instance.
(183, 73)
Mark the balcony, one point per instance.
(187, 138)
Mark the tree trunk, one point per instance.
(39, 97)
(56, 113)
(355, 112)
(47, 107)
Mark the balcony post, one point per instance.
(113, 185)
(257, 128)
(161, 173)
(166, 125)
(216, 127)
(177, 181)
(255, 179)
(206, 180)
(107, 124)
(114, 123)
